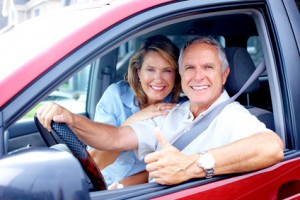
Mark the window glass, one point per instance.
(255, 50)
(298, 4)
(71, 94)
(125, 52)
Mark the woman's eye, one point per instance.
(150, 70)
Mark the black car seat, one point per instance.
(241, 67)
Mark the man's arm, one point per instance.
(169, 166)
(97, 135)
(258, 151)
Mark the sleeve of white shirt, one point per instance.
(243, 123)
(146, 137)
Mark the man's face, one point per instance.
(201, 75)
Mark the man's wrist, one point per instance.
(206, 161)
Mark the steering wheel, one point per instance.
(76, 147)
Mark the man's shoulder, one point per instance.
(233, 111)
(233, 106)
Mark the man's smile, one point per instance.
(200, 87)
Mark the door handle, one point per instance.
(289, 190)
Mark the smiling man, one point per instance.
(203, 75)
(234, 142)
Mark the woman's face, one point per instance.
(157, 77)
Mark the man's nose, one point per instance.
(199, 74)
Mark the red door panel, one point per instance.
(277, 182)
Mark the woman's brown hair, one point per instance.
(168, 50)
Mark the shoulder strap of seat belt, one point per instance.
(202, 125)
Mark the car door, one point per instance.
(71, 94)
(270, 183)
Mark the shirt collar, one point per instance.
(224, 96)
(129, 100)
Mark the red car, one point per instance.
(79, 51)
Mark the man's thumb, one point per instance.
(161, 139)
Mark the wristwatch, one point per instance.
(119, 185)
(207, 163)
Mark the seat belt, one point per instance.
(202, 125)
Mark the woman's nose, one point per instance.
(158, 75)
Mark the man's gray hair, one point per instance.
(208, 40)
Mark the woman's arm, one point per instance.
(150, 112)
(135, 179)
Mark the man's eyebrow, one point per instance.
(208, 64)
(188, 65)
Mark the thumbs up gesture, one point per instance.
(169, 166)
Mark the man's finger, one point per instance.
(161, 139)
(151, 158)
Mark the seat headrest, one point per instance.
(241, 68)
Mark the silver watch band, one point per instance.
(206, 162)
(209, 173)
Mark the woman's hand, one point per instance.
(150, 112)
(52, 111)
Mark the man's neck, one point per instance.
(197, 109)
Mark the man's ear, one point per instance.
(225, 75)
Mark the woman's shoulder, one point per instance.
(120, 92)
(119, 87)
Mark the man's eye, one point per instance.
(208, 67)
(188, 67)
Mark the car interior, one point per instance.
(237, 32)
(113, 65)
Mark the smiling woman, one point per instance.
(165, 77)
(152, 80)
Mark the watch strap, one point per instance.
(209, 171)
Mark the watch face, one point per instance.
(207, 161)
(210, 162)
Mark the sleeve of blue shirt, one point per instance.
(113, 106)
(105, 107)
